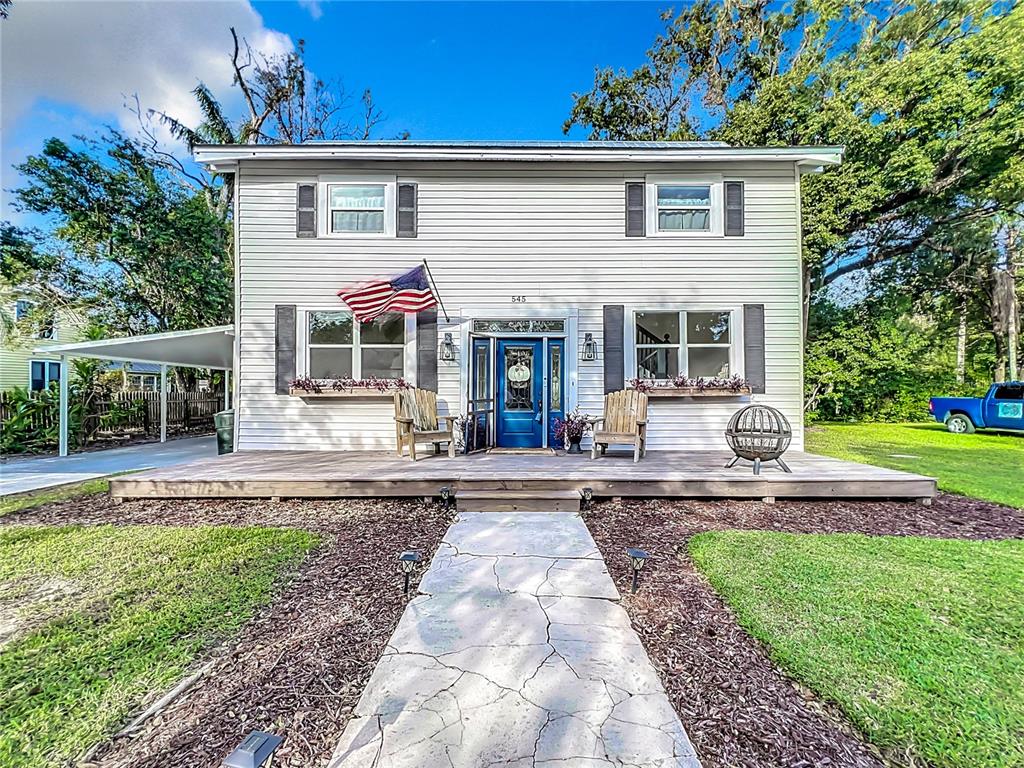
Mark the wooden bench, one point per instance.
(416, 420)
(624, 423)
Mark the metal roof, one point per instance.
(225, 156)
(197, 348)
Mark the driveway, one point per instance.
(31, 474)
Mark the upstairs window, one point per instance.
(684, 207)
(356, 208)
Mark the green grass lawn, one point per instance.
(25, 501)
(985, 465)
(94, 618)
(919, 641)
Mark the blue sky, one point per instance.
(439, 70)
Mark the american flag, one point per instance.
(409, 292)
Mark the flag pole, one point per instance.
(437, 295)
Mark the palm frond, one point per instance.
(217, 125)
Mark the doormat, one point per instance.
(528, 451)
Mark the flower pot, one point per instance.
(574, 446)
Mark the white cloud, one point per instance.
(91, 55)
(313, 6)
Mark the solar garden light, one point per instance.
(588, 496)
(637, 558)
(446, 496)
(255, 751)
(408, 561)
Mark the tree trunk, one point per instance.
(1013, 321)
(961, 341)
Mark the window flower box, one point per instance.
(695, 392)
(681, 386)
(342, 389)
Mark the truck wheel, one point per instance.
(959, 424)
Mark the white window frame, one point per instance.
(716, 220)
(408, 344)
(683, 346)
(47, 363)
(324, 184)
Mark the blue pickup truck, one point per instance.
(1001, 408)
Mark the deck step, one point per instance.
(517, 501)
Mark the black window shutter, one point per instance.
(734, 209)
(614, 354)
(635, 219)
(753, 347)
(305, 210)
(406, 210)
(426, 349)
(284, 346)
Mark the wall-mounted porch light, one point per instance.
(589, 351)
(447, 349)
(255, 751)
(637, 558)
(408, 561)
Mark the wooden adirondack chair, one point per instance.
(624, 423)
(416, 420)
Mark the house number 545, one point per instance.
(518, 299)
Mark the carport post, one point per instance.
(163, 403)
(227, 388)
(62, 440)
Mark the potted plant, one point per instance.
(571, 430)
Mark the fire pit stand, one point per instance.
(759, 433)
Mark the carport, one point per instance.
(211, 348)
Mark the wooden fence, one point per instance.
(133, 412)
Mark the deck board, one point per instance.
(661, 473)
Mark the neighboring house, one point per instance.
(140, 377)
(21, 364)
(567, 269)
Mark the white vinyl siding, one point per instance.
(551, 233)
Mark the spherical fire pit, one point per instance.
(758, 433)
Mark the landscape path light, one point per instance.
(255, 751)
(637, 558)
(408, 561)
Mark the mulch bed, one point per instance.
(737, 706)
(299, 667)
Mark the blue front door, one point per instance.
(520, 375)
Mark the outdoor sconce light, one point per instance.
(588, 496)
(447, 349)
(589, 347)
(637, 558)
(447, 497)
(408, 561)
(256, 751)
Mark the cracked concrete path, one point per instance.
(515, 653)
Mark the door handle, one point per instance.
(540, 410)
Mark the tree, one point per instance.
(927, 97)
(285, 104)
(147, 254)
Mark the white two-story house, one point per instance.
(590, 265)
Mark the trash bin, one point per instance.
(224, 421)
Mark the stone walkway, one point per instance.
(515, 653)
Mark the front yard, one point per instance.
(919, 641)
(985, 465)
(92, 619)
(863, 634)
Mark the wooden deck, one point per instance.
(291, 474)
